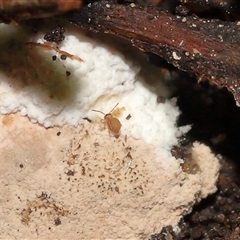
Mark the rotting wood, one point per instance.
(18, 10)
(209, 48)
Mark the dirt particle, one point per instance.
(70, 173)
(175, 56)
(83, 170)
(161, 99)
(128, 116)
(63, 57)
(56, 35)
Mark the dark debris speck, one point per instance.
(57, 221)
(55, 35)
(63, 57)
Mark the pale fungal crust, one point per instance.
(81, 183)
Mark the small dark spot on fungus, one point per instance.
(83, 170)
(58, 133)
(21, 165)
(89, 120)
(117, 189)
(57, 221)
(160, 99)
(70, 172)
(128, 116)
(63, 57)
(68, 73)
(129, 155)
(54, 57)
(128, 148)
(44, 195)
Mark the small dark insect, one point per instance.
(113, 123)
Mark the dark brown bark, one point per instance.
(220, 4)
(24, 9)
(209, 48)
(225, 9)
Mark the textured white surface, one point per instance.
(34, 84)
(121, 188)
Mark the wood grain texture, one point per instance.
(209, 48)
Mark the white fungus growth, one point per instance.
(76, 174)
(47, 96)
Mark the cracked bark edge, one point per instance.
(209, 48)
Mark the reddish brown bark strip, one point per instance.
(209, 48)
(24, 9)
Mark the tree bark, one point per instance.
(209, 48)
(18, 10)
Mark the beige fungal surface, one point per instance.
(78, 183)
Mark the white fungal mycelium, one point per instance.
(59, 157)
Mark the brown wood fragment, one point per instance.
(209, 48)
(25, 9)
